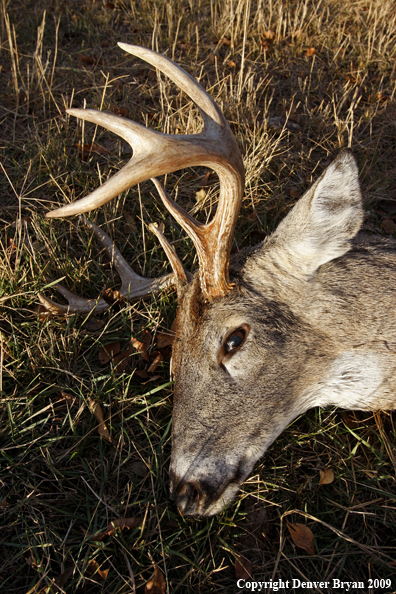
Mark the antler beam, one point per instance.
(155, 154)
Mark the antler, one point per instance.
(133, 286)
(155, 154)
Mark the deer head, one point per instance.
(250, 353)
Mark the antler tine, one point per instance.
(76, 304)
(133, 286)
(155, 154)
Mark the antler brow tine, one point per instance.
(155, 153)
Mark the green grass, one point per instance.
(60, 481)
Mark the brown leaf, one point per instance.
(139, 468)
(269, 34)
(302, 537)
(224, 41)
(110, 5)
(157, 360)
(43, 313)
(243, 568)
(142, 373)
(120, 524)
(152, 379)
(231, 64)
(87, 60)
(252, 217)
(108, 351)
(122, 360)
(326, 476)
(205, 179)
(295, 194)
(120, 111)
(156, 584)
(164, 340)
(65, 397)
(143, 344)
(130, 226)
(62, 579)
(351, 418)
(4, 503)
(86, 149)
(93, 567)
(311, 51)
(93, 324)
(388, 226)
(96, 409)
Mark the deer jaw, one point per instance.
(300, 347)
(227, 412)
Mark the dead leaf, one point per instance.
(130, 225)
(164, 340)
(120, 524)
(62, 579)
(252, 217)
(93, 568)
(142, 373)
(4, 503)
(22, 221)
(269, 34)
(65, 397)
(143, 344)
(122, 360)
(139, 468)
(295, 194)
(351, 418)
(4, 352)
(93, 324)
(224, 41)
(326, 476)
(108, 351)
(88, 148)
(152, 379)
(311, 51)
(156, 584)
(120, 111)
(205, 179)
(231, 64)
(302, 537)
(243, 568)
(110, 5)
(96, 409)
(43, 313)
(87, 60)
(157, 360)
(200, 195)
(31, 561)
(388, 226)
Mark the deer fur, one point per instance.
(304, 319)
(318, 299)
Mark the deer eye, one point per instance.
(235, 340)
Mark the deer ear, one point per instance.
(322, 223)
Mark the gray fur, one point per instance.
(319, 304)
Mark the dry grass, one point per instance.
(60, 482)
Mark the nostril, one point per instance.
(187, 497)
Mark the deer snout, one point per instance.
(204, 496)
(188, 497)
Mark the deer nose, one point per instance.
(187, 497)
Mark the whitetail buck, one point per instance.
(304, 319)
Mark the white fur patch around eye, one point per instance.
(352, 382)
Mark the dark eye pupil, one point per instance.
(235, 340)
